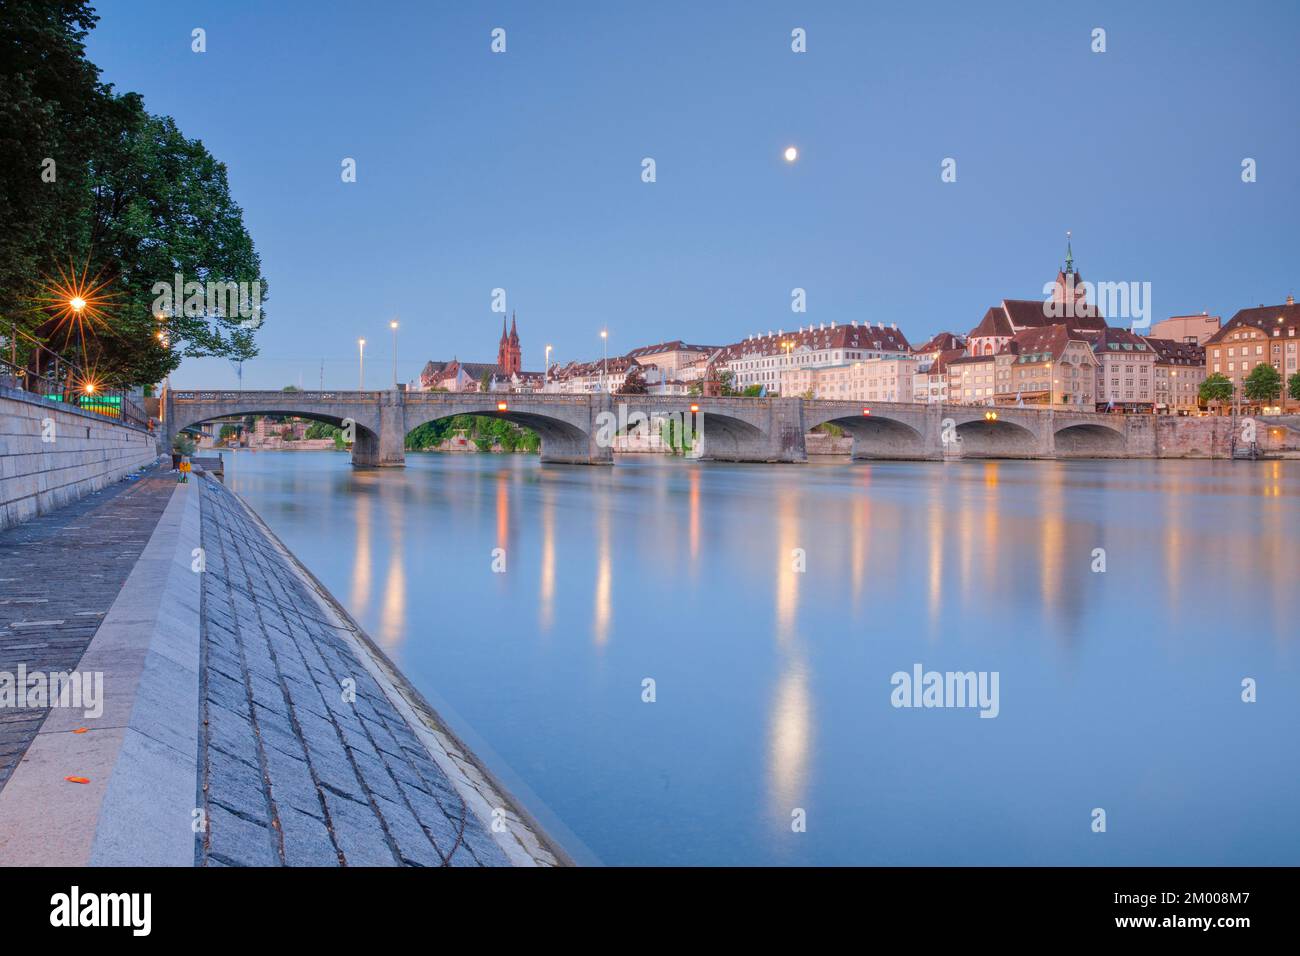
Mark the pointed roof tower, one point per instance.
(514, 331)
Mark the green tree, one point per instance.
(1293, 386)
(1216, 389)
(1263, 384)
(132, 202)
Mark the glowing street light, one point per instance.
(393, 325)
(501, 406)
(77, 303)
(361, 374)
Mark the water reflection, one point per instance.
(1117, 682)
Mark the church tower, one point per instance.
(509, 354)
(1069, 283)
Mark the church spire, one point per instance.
(1069, 254)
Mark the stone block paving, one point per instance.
(59, 574)
(294, 771)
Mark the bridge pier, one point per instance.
(770, 432)
(580, 445)
(387, 448)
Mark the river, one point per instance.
(773, 735)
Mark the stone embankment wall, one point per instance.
(51, 454)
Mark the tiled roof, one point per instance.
(943, 342)
(1112, 339)
(677, 345)
(1262, 317)
(994, 323)
(1173, 352)
(877, 337)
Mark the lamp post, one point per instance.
(546, 370)
(604, 373)
(361, 364)
(393, 325)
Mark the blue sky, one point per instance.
(522, 170)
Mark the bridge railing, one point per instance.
(28, 365)
(263, 395)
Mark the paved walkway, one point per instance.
(304, 760)
(59, 575)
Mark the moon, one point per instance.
(791, 154)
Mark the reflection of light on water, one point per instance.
(861, 536)
(503, 510)
(392, 621)
(787, 579)
(935, 530)
(791, 719)
(1052, 565)
(604, 577)
(361, 570)
(991, 551)
(546, 595)
(694, 481)
(790, 739)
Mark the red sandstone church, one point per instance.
(507, 373)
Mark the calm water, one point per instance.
(1119, 690)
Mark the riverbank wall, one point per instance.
(246, 718)
(51, 454)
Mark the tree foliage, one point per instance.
(1216, 387)
(1263, 384)
(132, 203)
(484, 431)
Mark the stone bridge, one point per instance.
(577, 429)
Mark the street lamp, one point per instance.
(393, 325)
(604, 338)
(361, 373)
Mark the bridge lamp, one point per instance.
(393, 325)
(990, 416)
(694, 407)
(501, 406)
(866, 411)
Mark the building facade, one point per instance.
(1179, 372)
(762, 359)
(1125, 372)
(1267, 333)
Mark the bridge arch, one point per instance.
(564, 433)
(364, 431)
(880, 437)
(1089, 440)
(997, 438)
